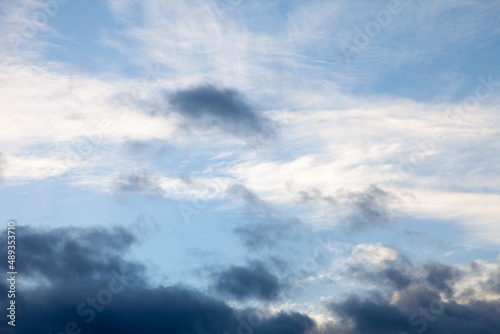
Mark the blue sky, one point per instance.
(312, 145)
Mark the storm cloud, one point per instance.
(78, 280)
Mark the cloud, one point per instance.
(442, 276)
(395, 274)
(387, 270)
(493, 282)
(293, 323)
(92, 287)
(405, 296)
(368, 316)
(207, 106)
(141, 148)
(369, 208)
(138, 183)
(264, 227)
(315, 195)
(252, 281)
(475, 281)
(155, 310)
(416, 310)
(253, 203)
(365, 209)
(263, 235)
(74, 253)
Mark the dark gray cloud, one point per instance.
(81, 254)
(207, 106)
(252, 281)
(138, 183)
(396, 274)
(369, 208)
(442, 276)
(289, 323)
(418, 306)
(371, 315)
(78, 280)
(417, 310)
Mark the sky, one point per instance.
(251, 167)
